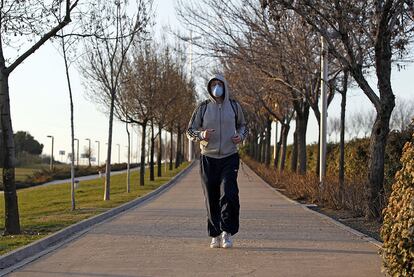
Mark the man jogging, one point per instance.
(219, 125)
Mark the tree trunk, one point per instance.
(177, 154)
(137, 154)
(108, 154)
(376, 166)
(278, 144)
(171, 150)
(260, 148)
(159, 156)
(285, 133)
(11, 208)
(263, 144)
(184, 153)
(142, 163)
(149, 149)
(254, 145)
(251, 145)
(152, 142)
(268, 153)
(294, 154)
(302, 123)
(380, 130)
(72, 130)
(128, 182)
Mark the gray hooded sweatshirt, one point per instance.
(221, 118)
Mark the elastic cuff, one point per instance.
(200, 135)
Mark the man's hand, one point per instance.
(236, 139)
(206, 134)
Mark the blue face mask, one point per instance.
(217, 91)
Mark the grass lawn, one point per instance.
(44, 210)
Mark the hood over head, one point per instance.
(226, 92)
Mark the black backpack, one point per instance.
(233, 103)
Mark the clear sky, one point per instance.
(40, 100)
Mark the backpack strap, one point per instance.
(203, 109)
(233, 104)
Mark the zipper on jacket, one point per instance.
(220, 130)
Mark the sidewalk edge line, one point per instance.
(36, 249)
(330, 219)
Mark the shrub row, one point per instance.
(45, 175)
(306, 188)
(398, 228)
(357, 158)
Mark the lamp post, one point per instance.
(324, 103)
(275, 142)
(119, 153)
(324, 88)
(99, 149)
(51, 155)
(131, 144)
(89, 151)
(77, 152)
(190, 40)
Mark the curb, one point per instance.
(330, 219)
(34, 250)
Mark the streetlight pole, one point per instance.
(99, 149)
(190, 40)
(51, 155)
(77, 152)
(323, 120)
(275, 142)
(119, 153)
(89, 151)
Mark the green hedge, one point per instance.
(357, 157)
(398, 227)
(45, 175)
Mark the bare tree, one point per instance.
(285, 52)
(88, 154)
(37, 22)
(402, 114)
(165, 113)
(343, 90)
(355, 123)
(72, 127)
(106, 54)
(369, 34)
(334, 127)
(361, 122)
(152, 94)
(68, 47)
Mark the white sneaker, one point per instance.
(215, 242)
(226, 241)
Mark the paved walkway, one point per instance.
(167, 237)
